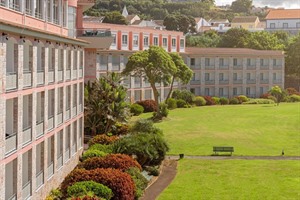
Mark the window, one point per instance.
(285, 25)
(234, 76)
(206, 91)
(206, 76)
(248, 62)
(71, 20)
(274, 62)
(261, 90)
(194, 77)
(124, 40)
(272, 25)
(261, 62)
(155, 41)
(207, 62)
(221, 92)
(146, 41)
(274, 76)
(234, 91)
(192, 90)
(114, 39)
(192, 61)
(136, 40)
(221, 61)
(248, 76)
(173, 42)
(165, 42)
(247, 91)
(234, 62)
(181, 43)
(298, 24)
(261, 76)
(221, 76)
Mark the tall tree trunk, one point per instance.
(173, 79)
(155, 92)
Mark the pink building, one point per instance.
(41, 95)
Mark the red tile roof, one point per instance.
(284, 14)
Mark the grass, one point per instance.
(235, 179)
(250, 129)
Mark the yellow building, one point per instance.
(246, 22)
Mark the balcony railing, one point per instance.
(237, 67)
(211, 67)
(74, 75)
(68, 114)
(40, 77)
(14, 6)
(59, 161)
(10, 143)
(13, 197)
(240, 81)
(68, 74)
(222, 67)
(59, 118)
(26, 191)
(115, 67)
(60, 75)
(27, 79)
(251, 81)
(74, 111)
(50, 122)
(80, 73)
(38, 15)
(73, 148)
(67, 154)
(51, 76)
(11, 81)
(138, 85)
(93, 33)
(276, 67)
(195, 67)
(251, 67)
(264, 81)
(80, 108)
(223, 82)
(27, 135)
(39, 129)
(28, 11)
(50, 169)
(195, 82)
(40, 179)
(278, 81)
(209, 82)
(264, 67)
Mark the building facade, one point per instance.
(41, 95)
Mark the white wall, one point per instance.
(279, 23)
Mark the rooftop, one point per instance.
(284, 14)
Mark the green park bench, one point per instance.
(223, 149)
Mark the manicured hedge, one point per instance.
(85, 187)
(200, 101)
(90, 153)
(119, 182)
(136, 109)
(103, 139)
(148, 105)
(102, 147)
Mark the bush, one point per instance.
(102, 147)
(164, 111)
(119, 182)
(171, 103)
(291, 91)
(152, 170)
(54, 194)
(136, 109)
(87, 197)
(200, 101)
(294, 98)
(234, 101)
(103, 139)
(145, 126)
(265, 96)
(242, 98)
(272, 98)
(148, 105)
(216, 100)
(121, 129)
(180, 103)
(139, 180)
(85, 187)
(224, 101)
(116, 161)
(90, 153)
(150, 149)
(209, 100)
(185, 95)
(259, 101)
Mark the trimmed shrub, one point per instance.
(121, 129)
(150, 149)
(200, 101)
(102, 147)
(291, 91)
(87, 197)
(234, 101)
(89, 187)
(164, 111)
(224, 101)
(119, 182)
(136, 109)
(54, 194)
(259, 101)
(152, 170)
(139, 180)
(103, 139)
(185, 95)
(209, 100)
(242, 98)
(145, 126)
(148, 105)
(294, 98)
(171, 103)
(180, 103)
(116, 161)
(216, 100)
(90, 153)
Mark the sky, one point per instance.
(269, 3)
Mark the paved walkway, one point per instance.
(238, 157)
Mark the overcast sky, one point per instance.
(269, 3)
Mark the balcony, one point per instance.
(27, 135)
(51, 76)
(11, 81)
(80, 72)
(80, 108)
(60, 75)
(212, 67)
(27, 79)
(251, 81)
(237, 67)
(74, 111)
(50, 170)
(115, 67)
(26, 191)
(59, 118)
(13, 197)
(10, 143)
(196, 67)
(223, 67)
(277, 67)
(138, 85)
(251, 67)
(59, 161)
(97, 38)
(67, 154)
(238, 81)
(73, 149)
(14, 6)
(278, 81)
(74, 75)
(195, 82)
(264, 81)
(264, 67)
(39, 129)
(40, 77)
(223, 82)
(68, 74)
(209, 82)
(50, 122)
(40, 179)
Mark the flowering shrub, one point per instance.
(148, 105)
(292, 91)
(209, 100)
(116, 161)
(103, 139)
(119, 182)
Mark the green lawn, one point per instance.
(235, 180)
(250, 129)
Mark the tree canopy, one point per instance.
(114, 17)
(293, 57)
(178, 22)
(263, 40)
(235, 38)
(240, 6)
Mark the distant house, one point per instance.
(201, 24)
(246, 22)
(283, 19)
(148, 23)
(220, 25)
(130, 18)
